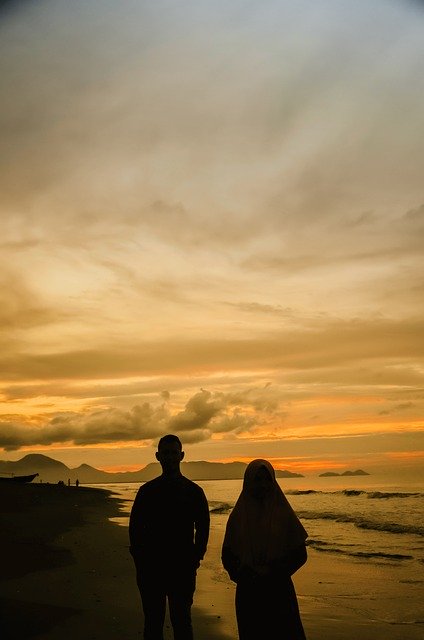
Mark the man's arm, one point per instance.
(201, 524)
(135, 527)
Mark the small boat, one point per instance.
(19, 478)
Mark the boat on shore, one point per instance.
(29, 478)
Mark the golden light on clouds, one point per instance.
(212, 223)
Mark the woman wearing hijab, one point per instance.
(264, 545)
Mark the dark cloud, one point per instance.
(404, 377)
(267, 398)
(10, 5)
(235, 422)
(199, 411)
(205, 413)
(318, 345)
(102, 426)
(403, 406)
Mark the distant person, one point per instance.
(264, 545)
(169, 530)
(77, 482)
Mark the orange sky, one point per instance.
(212, 224)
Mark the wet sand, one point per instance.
(67, 573)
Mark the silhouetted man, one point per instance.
(169, 529)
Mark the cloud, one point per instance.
(199, 411)
(169, 160)
(266, 309)
(235, 423)
(321, 344)
(403, 406)
(204, 414)
(20, 307)
(266, 398)
(209, 198)
(182, 128)
(102, 426)
(364, 240)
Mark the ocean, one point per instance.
(356, 517)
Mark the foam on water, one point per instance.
(373, 524)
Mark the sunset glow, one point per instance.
(212, 224)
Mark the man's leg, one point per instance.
(153, 596)
(180, 597)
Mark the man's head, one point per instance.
(169, 454)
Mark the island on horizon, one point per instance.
(332, 474)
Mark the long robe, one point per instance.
(264, 545)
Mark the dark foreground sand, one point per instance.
(66, 573)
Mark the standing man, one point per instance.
(169, 530)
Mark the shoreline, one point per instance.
(69, 574)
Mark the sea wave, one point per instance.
(353, 493)
(302, 492)
(327, 547)
(219, 507)
(363, 523)
(386, 495)
(391, 527)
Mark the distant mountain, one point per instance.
(51, 470)
(332, 474)
(27, 464)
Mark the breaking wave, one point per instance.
(385, 495)
(301, 492)
(220, 507)
(326, 547)
(363, 523)
(349, 493)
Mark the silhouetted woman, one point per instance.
(264, 545)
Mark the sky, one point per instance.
(212, 225)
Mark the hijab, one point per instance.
(260, 531)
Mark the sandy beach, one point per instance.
(66, 573)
